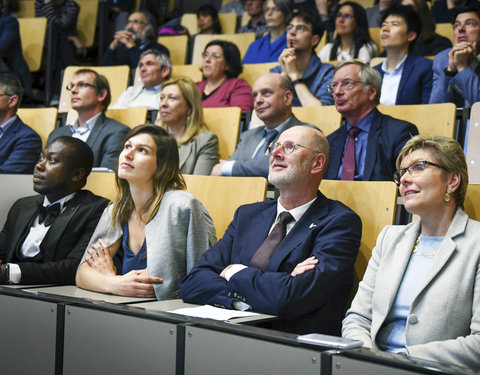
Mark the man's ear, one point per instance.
(411, 36)
(78, 174)
(13, 101)
(319, 163)
(101, 97)
(164, 72)
(288, 97)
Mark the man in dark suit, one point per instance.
(20, 145)
(45, 236)
(127, 45)
(90, 98)
(304, 276)
(273, 98)
(367, 146)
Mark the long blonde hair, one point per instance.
(166, 177)
(191, 95)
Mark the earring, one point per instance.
(446, 197)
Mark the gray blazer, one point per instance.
(179, 234)
(105, 140)
(444, 318)
(199, 154)
(249, 140)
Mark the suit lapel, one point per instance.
(49, 243)
(92, 138)
(372, 145)
(10, 133)
(336, 152)
(301, 230)
(184, 151)
(406, 73)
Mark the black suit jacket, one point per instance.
(105, 140)
(385, 140)
(64, 244)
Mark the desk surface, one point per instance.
(73, 291)
(175, 304)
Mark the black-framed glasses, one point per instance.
(288, 147)
(214, 55)
(415, 169)
(298, 28)
(347, 84)
(80, 85)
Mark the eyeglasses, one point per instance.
(345, 16)
(214, 55)
(415, 169)
(80, 85)
(468, 24)
(348, 84)
(136, 22)
(288, 147)
(298, 28)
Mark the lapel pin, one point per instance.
(312, 226)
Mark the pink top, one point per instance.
(234, 92)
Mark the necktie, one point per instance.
(348, 171)
(47, 215)
(262, 256)
(269, 136)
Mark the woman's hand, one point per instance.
(101, 259)
(307, 265)
(135, 283)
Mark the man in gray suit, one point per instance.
(273, 98)
(90, 98)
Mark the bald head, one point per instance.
(273, 97)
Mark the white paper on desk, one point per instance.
(211, 312)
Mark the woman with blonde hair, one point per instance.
(156, 229)
(181, 114)
(420, 293)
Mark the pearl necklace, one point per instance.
(418, 252)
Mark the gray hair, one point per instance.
(11, 85)
(367, 75)
(162, 59)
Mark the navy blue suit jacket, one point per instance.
(311, 302)
(416, 81)
(20, 149)
(386, 138)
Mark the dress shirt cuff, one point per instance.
(239, 305)
(227, 168)
(15, 273)
(233, 270)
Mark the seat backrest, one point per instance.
(127, 116)
(364, 3)
(472, 201)
(251, 72)
(26, 8)
(446, 30)
(13, 187)
(242, 41)
(221, 196)
(189, 21)
(326, 118)
(87, 21)
(177, 45)
(32, 35)
(375, 35)
(117, 78)
(191, 71)
(225, 123)
(102, 184)
(471, 143)
(228, 22)
(430, 119)
(374, 201)
(42, 120)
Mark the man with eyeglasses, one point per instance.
(90, 97)
(300, 63)
(127, 45)
(45, 235)
(292, 257)
(367, 146)
(20, 145)
(155, 68)
(456, 71)
(272, 99)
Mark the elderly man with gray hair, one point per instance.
(155, 67)
(366, 147)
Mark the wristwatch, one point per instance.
(450, 73)
(296, 81)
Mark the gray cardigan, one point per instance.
(444, 319)
(179, 234)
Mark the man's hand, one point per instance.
(123, 37)
(307, 265)
(460, 56)
(217, 169)
(100, 258)
(288, 62)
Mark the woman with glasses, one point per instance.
(352, 39)
(181, 114)
(421, 291)
(221, 66)
(154, 228)
(277, 13)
